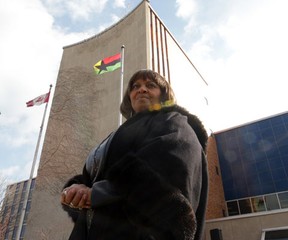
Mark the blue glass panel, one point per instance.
(264, 124)
(242, 191)
(279, 130)
(228, 184)
(251, 127)
(283, 150)
(281, 185)
(267, 188)
(230, 194)
(262, 166)
(275, 163)
(255, 155)
(285, 118)
(249, 138)
(265, 178)
(286, 169)
(226, 175)
(248, 156)
(278, 174)
(273, 152)
(266, 133)
(277, 120)
(254, 189)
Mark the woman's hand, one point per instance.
(77, 196)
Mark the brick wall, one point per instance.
(216, 200)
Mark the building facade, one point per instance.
(11, 209)
(85, 106)
(253, 159)
(247, 164)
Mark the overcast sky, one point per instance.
(239, 47)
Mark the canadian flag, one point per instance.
(38, 100)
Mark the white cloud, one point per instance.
(243, 59)
(83, 9)
(9, 172)
(187, 10)
(31, 47)
(119, 3)
(31, 50)
(75, 9)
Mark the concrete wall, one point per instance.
(84, 110)
(247, 227)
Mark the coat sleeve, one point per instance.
(158, 180)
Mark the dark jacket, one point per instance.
(154, 181)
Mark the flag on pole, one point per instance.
(38, 100)
(108, 64)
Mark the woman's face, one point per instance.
(144, 93)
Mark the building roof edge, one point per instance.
(250, 122)
(107, 29)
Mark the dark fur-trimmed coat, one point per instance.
(154, 180)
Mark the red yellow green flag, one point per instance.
(108, 64)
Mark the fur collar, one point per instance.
(193, 121)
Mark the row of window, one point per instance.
(258, 204)
(14, 218)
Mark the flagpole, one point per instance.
(21, 221)
(121, 81)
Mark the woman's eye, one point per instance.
(135, 86)
(151, 85)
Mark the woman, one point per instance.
(148, 180)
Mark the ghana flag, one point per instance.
(108, 64)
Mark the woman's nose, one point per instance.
(142, 89)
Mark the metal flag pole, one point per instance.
(26, 197)
(121, 82)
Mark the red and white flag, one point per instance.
(39, 100)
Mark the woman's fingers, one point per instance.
(76, 196)
(70, 195)
(82, 201)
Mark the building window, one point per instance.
(271, 202)
(283, 199)
(22, 231)
(217, 170)
(233, 208)
(245, 206)
(281, 234)
(258, 204)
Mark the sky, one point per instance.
(239, 47)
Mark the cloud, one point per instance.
(33, 34)
(9, 172)
(83, 9)
(242, 57)
(119, 3)
(187, 9)
(75, 9)
(31, 48)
